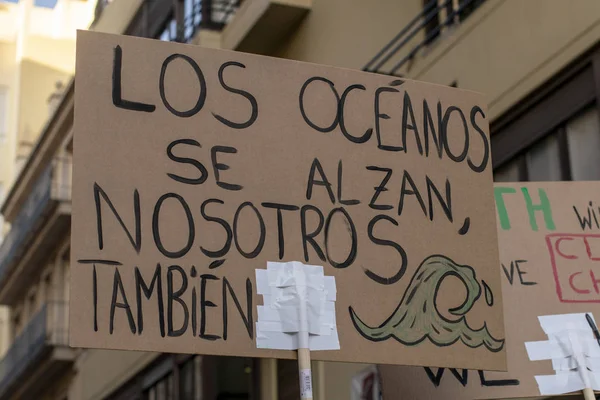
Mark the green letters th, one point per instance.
(543, 206)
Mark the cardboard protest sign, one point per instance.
(550, 257)
(194, 168)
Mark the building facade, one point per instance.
(37, 47)
(538, 62)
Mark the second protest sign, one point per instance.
(193, 168)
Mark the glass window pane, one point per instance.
(543, 160)
(1, 216)
(161, 391)
(509, 172)
(186, 377)
(583, 137)
(170, 387)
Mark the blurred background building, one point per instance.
(538, 62)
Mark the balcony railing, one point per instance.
(53, 185)
(48, 328)
(421, 31)
(200, 14)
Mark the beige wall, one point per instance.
(100, 372)
(36, 84)
(508, 48)
(338, 379)
(57, 54)
(348, 33)
(481, 54)
(8, 76)
(50, 284)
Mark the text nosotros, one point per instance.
(406, 133)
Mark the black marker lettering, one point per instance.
(445, 203)
(222, 167)
(118, 288)
(248, 96)
(117, 97)
(445, 122)
(407, 112)
(521, 273)
(203, 304)
(486, 145)
(353, 236)
(194, 312)
(172, 296)
(280, 232)
(303, 112)
(95, 297)
(156, 227)
(339, 188)
(428, 124)
(367, 135)
(137, 242)
(309, 237)
(225, 249)
(140, 286)
(316, 166)
(95, 283)
(201, 96)
(384, 242)
(262, 231)
(414, 191)
(379, 115)
(247, 318)
(184, 160)
(497, 382)
(380, 188)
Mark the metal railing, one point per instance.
(53, 184)
(420, 32)
(200, 14)
(25, 221)
(49, 327)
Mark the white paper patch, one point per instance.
(305, 384)
(291, 290)
(574, 351)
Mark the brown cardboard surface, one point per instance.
(537, 266)
(220, 137)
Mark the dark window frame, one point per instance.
(546, 111)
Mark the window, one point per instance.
(170, 32)
(510, 172)
(543, 160)
(187, 380)
(162, 389)
(567, 153)
(31, 304)
(287, 376)
(444, 13)
(554, 133)
(583, 138)
(16, 324)
(48, 287)
(1, 216)
(3, 113)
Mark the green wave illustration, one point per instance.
(417, 318)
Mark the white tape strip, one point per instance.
(552, 385)
(296, 298)
(574, 351)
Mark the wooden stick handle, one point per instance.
(588, 394)
(305, 374)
